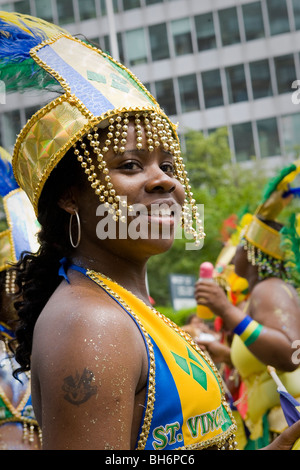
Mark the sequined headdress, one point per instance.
(97, 92)
(20, 225)
(263, 241)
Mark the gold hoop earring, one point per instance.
(75, 245)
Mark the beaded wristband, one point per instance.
(248, 330)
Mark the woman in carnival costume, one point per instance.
(108, 371)
(18, 427)
(265, 331)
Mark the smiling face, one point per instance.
(153, 197)
(147, 179)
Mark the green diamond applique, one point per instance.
(96, 77)
(192, 367)
(183, 364)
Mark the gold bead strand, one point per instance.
(124, 132)
(107, 191)
(138, 131)
(10, 281)
(40, 436)
(155, 135)
(31, 434)
(112, 134)
(149, 134)
(25, 431)
(86, 162)
(198, 232)
(121, 148)
(117, 137)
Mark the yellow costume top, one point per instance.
(262, 395)
(185, 405)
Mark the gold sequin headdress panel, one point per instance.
(98, 92)
(21, 227)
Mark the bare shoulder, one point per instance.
(274, 302)
(83, 320)
(78, 309)
(88, 362)
(275, 290)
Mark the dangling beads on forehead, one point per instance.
(138, 131)
(149, 132)
(158, 133)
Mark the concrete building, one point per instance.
(210, 64)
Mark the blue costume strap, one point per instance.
(65, 265)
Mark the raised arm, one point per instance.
(274, 305)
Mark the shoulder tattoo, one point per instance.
(79, 388)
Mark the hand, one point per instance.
(212, 296)
(218, 352)
(287, 439)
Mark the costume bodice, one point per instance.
(19, 407)
(185, 407)
(262, 395)
(15, 396)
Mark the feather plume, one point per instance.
(7, 179)
(274, 182)
(18, 35)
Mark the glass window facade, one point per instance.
(182, 37)
(278, 16)
(296, 11)
(205, 31)
(198, 30)
(212, 88)
(136, 50)
(7, 7)
(29, 112)
(129, 4)
(260, 78)
(44, 10)
(120, 46)
(165, 95)
(236, 83)
(253, 21)
(10, 128)
(291, 134)
(87, 9)
(230, 33)
(22, 7)
(268, 137)
(243, 141)
(189, 97)
(285, 72)
(65, 11)
(159, 42)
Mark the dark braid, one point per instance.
(37, 274)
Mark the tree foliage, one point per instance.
(224, 188)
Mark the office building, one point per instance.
(209, 63)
